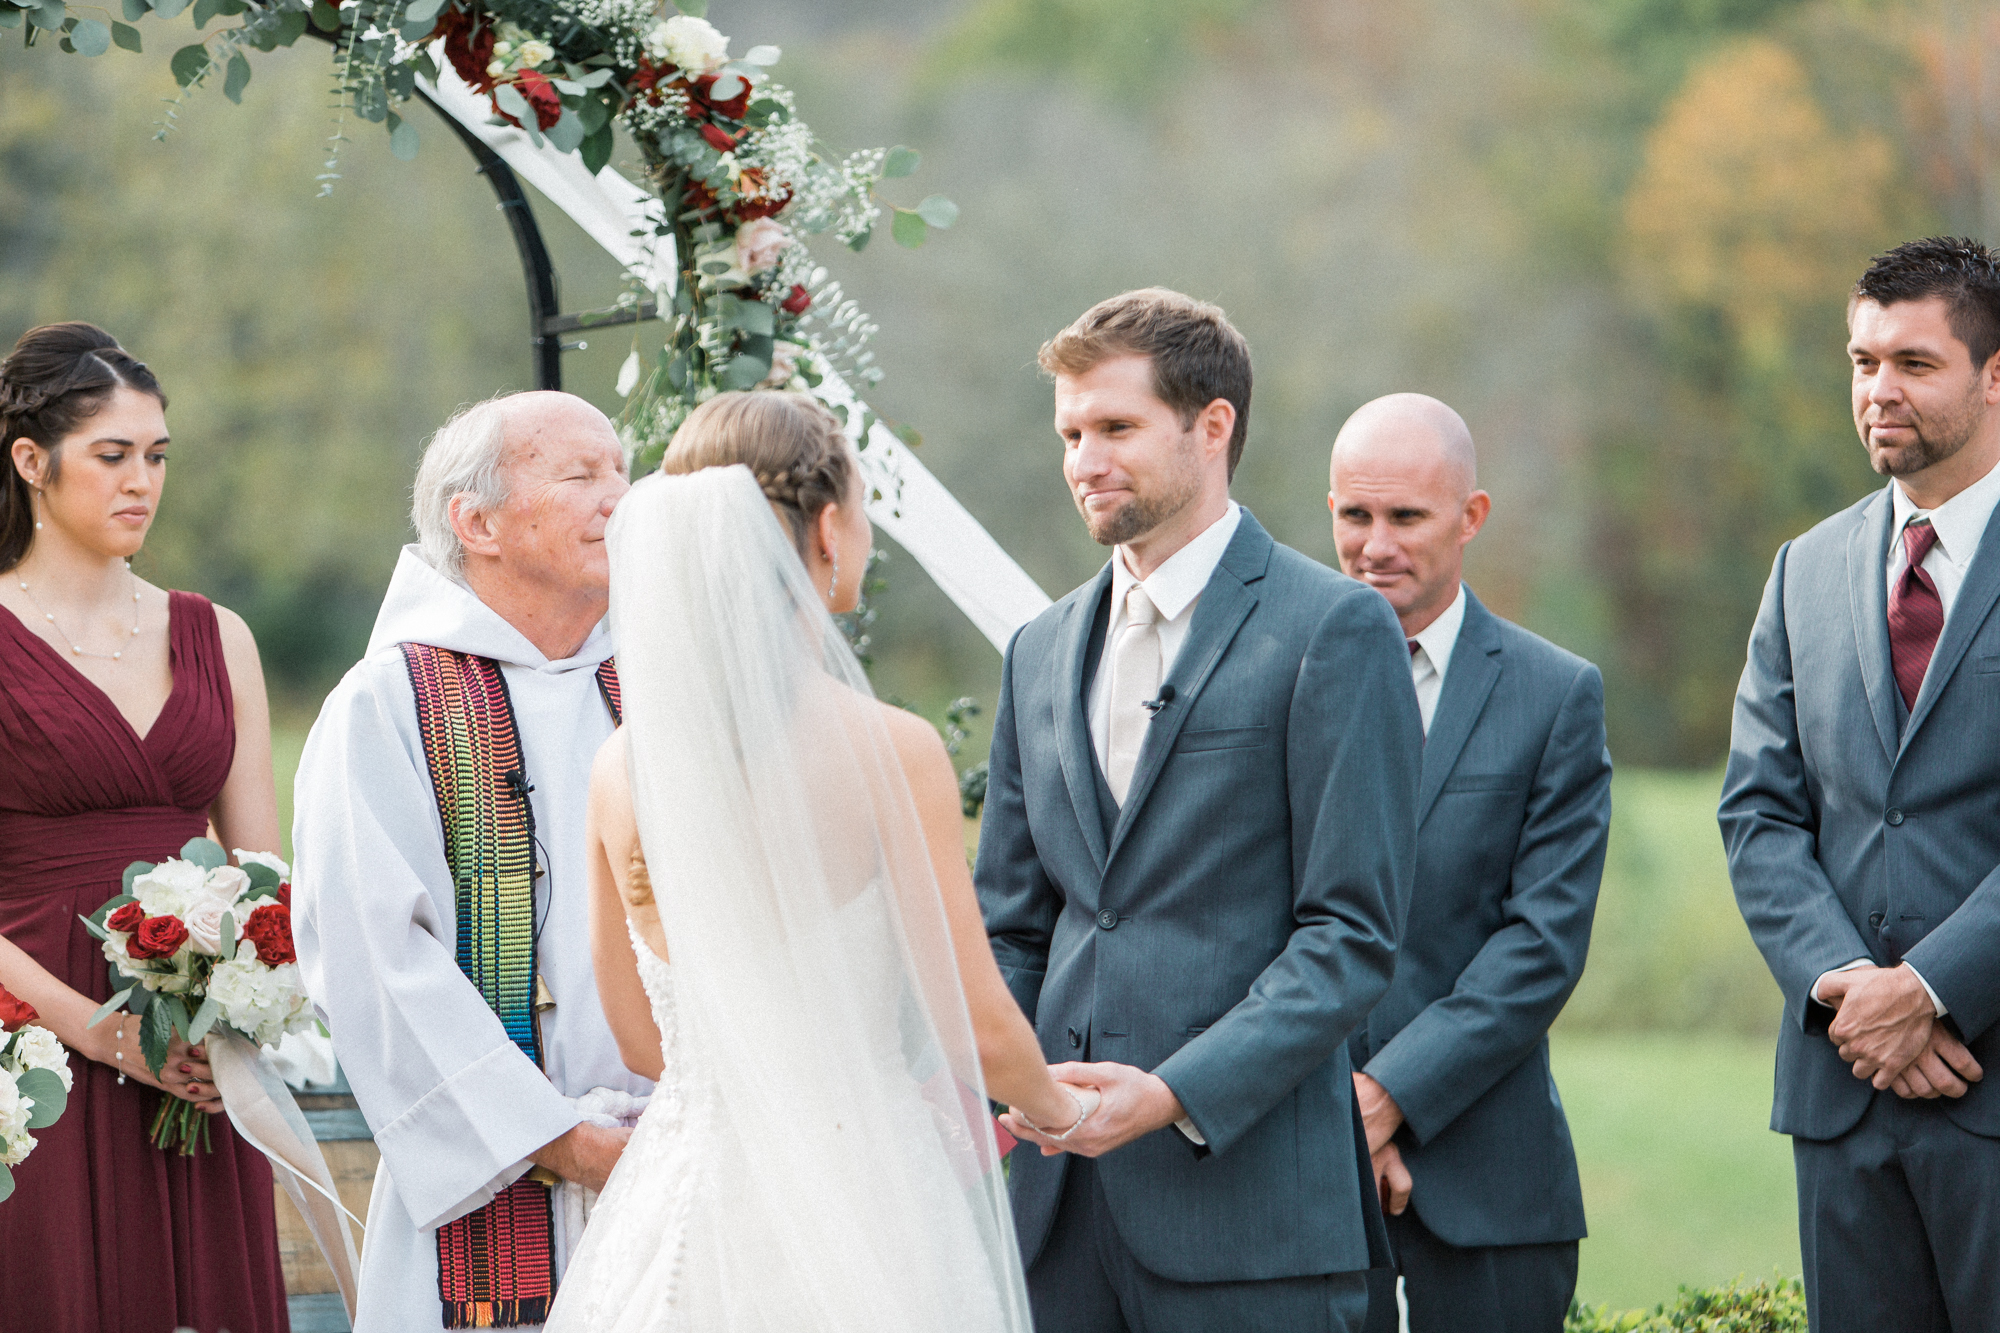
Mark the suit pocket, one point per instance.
(1488, 782)
(1220, 738)
(1986, 666)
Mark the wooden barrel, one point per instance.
(349, 1149)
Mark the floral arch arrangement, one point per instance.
(741, 178)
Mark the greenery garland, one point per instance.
(741, 179)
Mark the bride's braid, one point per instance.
(789, 441)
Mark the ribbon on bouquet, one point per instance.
(261, 1107)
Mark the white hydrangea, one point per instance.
(689, 42)
(38, 1048)
(265, 859)
(168, 888)
(15, 1143)
(263, 1003)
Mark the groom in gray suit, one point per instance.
(1471, 1150)
(1861, 809)
(1195, 862)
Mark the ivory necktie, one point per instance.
(1916, 613)
(1135, 678)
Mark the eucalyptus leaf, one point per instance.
(325, 17)
(97, 932)
(49, 17)
(909, 229)
(156, 1032)
(6, 1172)
(726, 87)
(110, 1006)
(168, 9)
(694, 9)
(261, 876)
(597, 78)
(233, 81)
(127, 37)
(11, 17)
(45, 1086)
(204, 10)
(860, 242)
(938, 211)
(567, 134)
(742, 372)
(226, 935)
(201, 851)
(593, 113)
(764, 56)
(508, 98)
(424, 11)
(135, 9)
(402, 139)
(204, 1019)
(177, 1013)
(596, 150)
(567, 87)
(901, 161)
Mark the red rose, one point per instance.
(270, 929)
(701, 93)
(541, 95)
(721, 140)
(285, 893)
(798, 302)
(468, 44)
(697, 198)
(126, 918)
(157, 937)
(14, 1012)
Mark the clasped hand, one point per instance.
(1131, 1103)
(1886, 1027)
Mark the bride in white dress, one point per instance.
(785, 931)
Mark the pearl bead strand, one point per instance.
(76, 648)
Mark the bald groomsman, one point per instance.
(1471, 1151)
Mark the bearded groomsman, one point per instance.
(1861, 808)
(442, 921)
(1470, 1148)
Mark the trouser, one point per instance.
(1086, 1281)
(1477, 1289)
(1899, 1223)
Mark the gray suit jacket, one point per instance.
(1515, 810)
(1232, 923)
(1859, 829)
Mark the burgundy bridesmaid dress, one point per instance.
(106, 1233)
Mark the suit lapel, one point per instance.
(1868, 597)
(1475, 668)
(1069, 689)
(1226, 601)
(1968, 611)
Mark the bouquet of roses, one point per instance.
(34, 1083)
(197, 944)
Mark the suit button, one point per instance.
(1107, 918)
(1875, 921)
(1895, 817)
(1074, 1038)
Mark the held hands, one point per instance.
(584, 1154)
(1131, 1103)
(1886, 1027)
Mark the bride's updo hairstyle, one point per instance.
(57, 377)
(795, 447)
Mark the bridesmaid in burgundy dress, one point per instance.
(130, 718)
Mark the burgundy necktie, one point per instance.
(1916, 613)
(1414, 645)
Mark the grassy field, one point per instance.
(1663, 1057)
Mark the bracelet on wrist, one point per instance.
(1082, 1114)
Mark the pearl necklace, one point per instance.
(75, 647)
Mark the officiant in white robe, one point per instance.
(514, 493)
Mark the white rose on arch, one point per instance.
(689, 42)
(759, 242)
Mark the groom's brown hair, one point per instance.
(1197, 354)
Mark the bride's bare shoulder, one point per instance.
(919, 748)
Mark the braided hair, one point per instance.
(793, 445)
(57, 377)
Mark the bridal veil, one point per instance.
(852, 1180)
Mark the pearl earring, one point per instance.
(43, 499)
(833, 583)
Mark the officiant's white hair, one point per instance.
(463, 458)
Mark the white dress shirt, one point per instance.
(1961, 524)
(1432, 658)
(1175, 588)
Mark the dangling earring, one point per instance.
(41, 500)
(833, 583)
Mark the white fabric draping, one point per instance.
(993, 591)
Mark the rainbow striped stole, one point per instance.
(496, 1266)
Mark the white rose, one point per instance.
(265, 859)
(227, 883)
(689, 42)
(38, 1048)
(534, 52)
(14, 1141)
(758, 244)
(168, 888)
(203, 919)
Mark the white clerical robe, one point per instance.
(455, 1106)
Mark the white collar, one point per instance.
(425, 606)
(1960, 521)
(1181, 576)
(1438, 638)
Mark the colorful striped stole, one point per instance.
(496, 1266)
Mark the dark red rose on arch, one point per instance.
(157, 937)
(701, 92)
(721, 140)
(798, 302)
(697, 198)
(14, 1011)
(270, 929)
(468, 44)
(126, 918)
(541, 95)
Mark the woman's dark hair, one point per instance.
(57, 377)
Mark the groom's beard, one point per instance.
(1176, 487)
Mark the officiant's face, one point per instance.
(1130, 463)
(565, 473)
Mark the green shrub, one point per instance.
(1777, 1306)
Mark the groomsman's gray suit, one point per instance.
(1514, 811)
(1226, 929)
(1858, 829)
